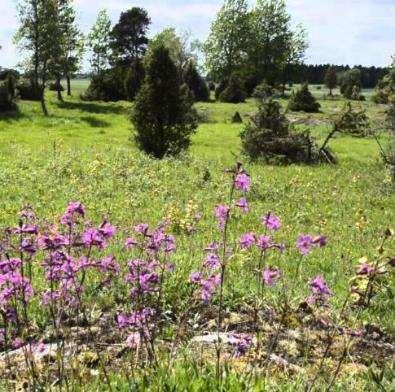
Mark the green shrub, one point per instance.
(221, 86)
(163, 115)
(8, 91)
(115, 84)
(270, 136)
(234, 91)
(236, 119)
(263, 91)
(304, 101)
(196, 83)
(353, 120)
(54, 86)
(28, 91)
(385, 88)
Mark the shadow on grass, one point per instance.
(93, 107)
(95, 122)
(10, 117)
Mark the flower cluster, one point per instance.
(145, 277)
(306, 243)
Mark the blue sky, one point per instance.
(339, 31)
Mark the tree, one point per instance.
(226, 46)
(163, 115)
(73, 43)
(304, 101)
(38, 35)
(99, 42)
(330, 79)
(385, 87)
(350, 81)
(234, 91)
(181, 48)
(195, 82)
(129, 36)
(8, 94)
(273, 43)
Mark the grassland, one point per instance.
(84, 151)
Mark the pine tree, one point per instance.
(163, 115)
(330, 79)
(195, 82)
(304, 101)
(234, 91)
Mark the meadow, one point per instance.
(85, 151)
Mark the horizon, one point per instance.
(367, 41)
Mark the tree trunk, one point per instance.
(68, 85)
(43, 104)
(60, 98)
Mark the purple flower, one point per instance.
(304, 244)
(52, 242)
(141, 228)
(74, 208)
(242, 182)
(93, 237)
(320, 240)
(365, 269)
(222, 213)
(212, 247)
(130, 243)
(264, 242)
(26, 229)
(318, 286)
(271, 275)
(208, 287)
(195, 277)
(133, 340)
(107, 230)
(271, 221)
(17, 343)
(241, 343)
(28, 245)
(247, 240)
(212, 261)
(243, 204)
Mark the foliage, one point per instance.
(112, 84)
(182, 50)
(226, 46)
(253, 44)
(234, 91)
(99, 42)
(274, 43)
(163, 114)
(303, 100)
(269, 136)
(72, 43)
(38, 34)
(350, 84)
(195, 82)
(237, 119)
(55, 86)
(129, 36)
(8, 93)
(330, 79)
(353, 120)
(385, 87)
(263, 91)
(28, 90)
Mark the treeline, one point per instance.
(315, 73)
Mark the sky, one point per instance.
(339, 31)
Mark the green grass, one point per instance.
(84, 151)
